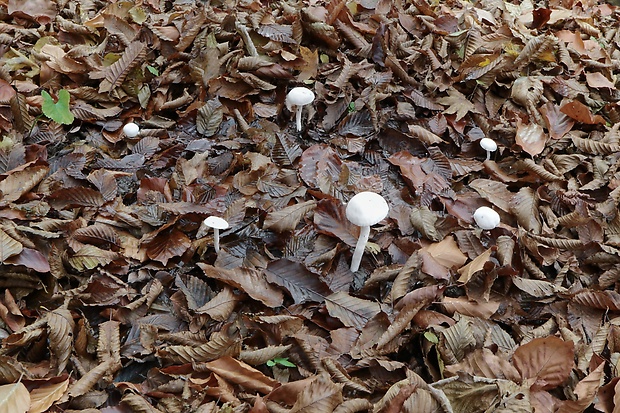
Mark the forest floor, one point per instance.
(114, 299)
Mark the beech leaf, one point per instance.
(14, 398)
(548, 361)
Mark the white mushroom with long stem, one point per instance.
(131, 130)
(217, 224)
(486, 218)
(488, 145)
(365, 209)
(299, 97)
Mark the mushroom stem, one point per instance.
(488, 155)
(216, 239)
(359, 248)
(298, 117)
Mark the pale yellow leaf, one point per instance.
(473, 267)
(42, 398)
(14, 398)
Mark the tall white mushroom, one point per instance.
(217, 224)
(299, 97)
(365, 209)
(488, 145)
(486, 218)
(131, 130)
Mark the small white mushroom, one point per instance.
(488, 145)
(299, 97)
(486, 218)
(131, 130)
(217, 224)
(365, 209)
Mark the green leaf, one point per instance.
(283, 361)
(271, 363)
(431, 337)
(57, 111)
(153, 70)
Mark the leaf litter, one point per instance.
(113, 301)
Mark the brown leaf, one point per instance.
(89, 257)
(167, 245)
(351, 311)
(320, 396)
(42, 398)
(585, 391)
(330, 218)
(76, 197)
(558, 123)
(221, 306)
(524, 205)
(597, 80)
(90, 379)
(581, 113)
(457, 103)
(471, 308)
(220, 344)
(20, 183)
(9, 247)
(252, 282)
(287, 218)
(302, 284)
(478, 263)
(114, 75)
(602, 300)
(401, 322)
(30, 258)
(531, 137)
(60, 333)
(238, 372)
(548, 361)
(447, 253)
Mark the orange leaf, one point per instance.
(531, 137)
(581, 113)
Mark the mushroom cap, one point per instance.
(299, 96)
(486, 218)
(216, 222)
(366, 209)
(131, 129)
(488, 144)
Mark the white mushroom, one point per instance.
(217, 224)
(365, 209)
(299, 97)
(486, 218)
(131, 130)
(488, 145)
